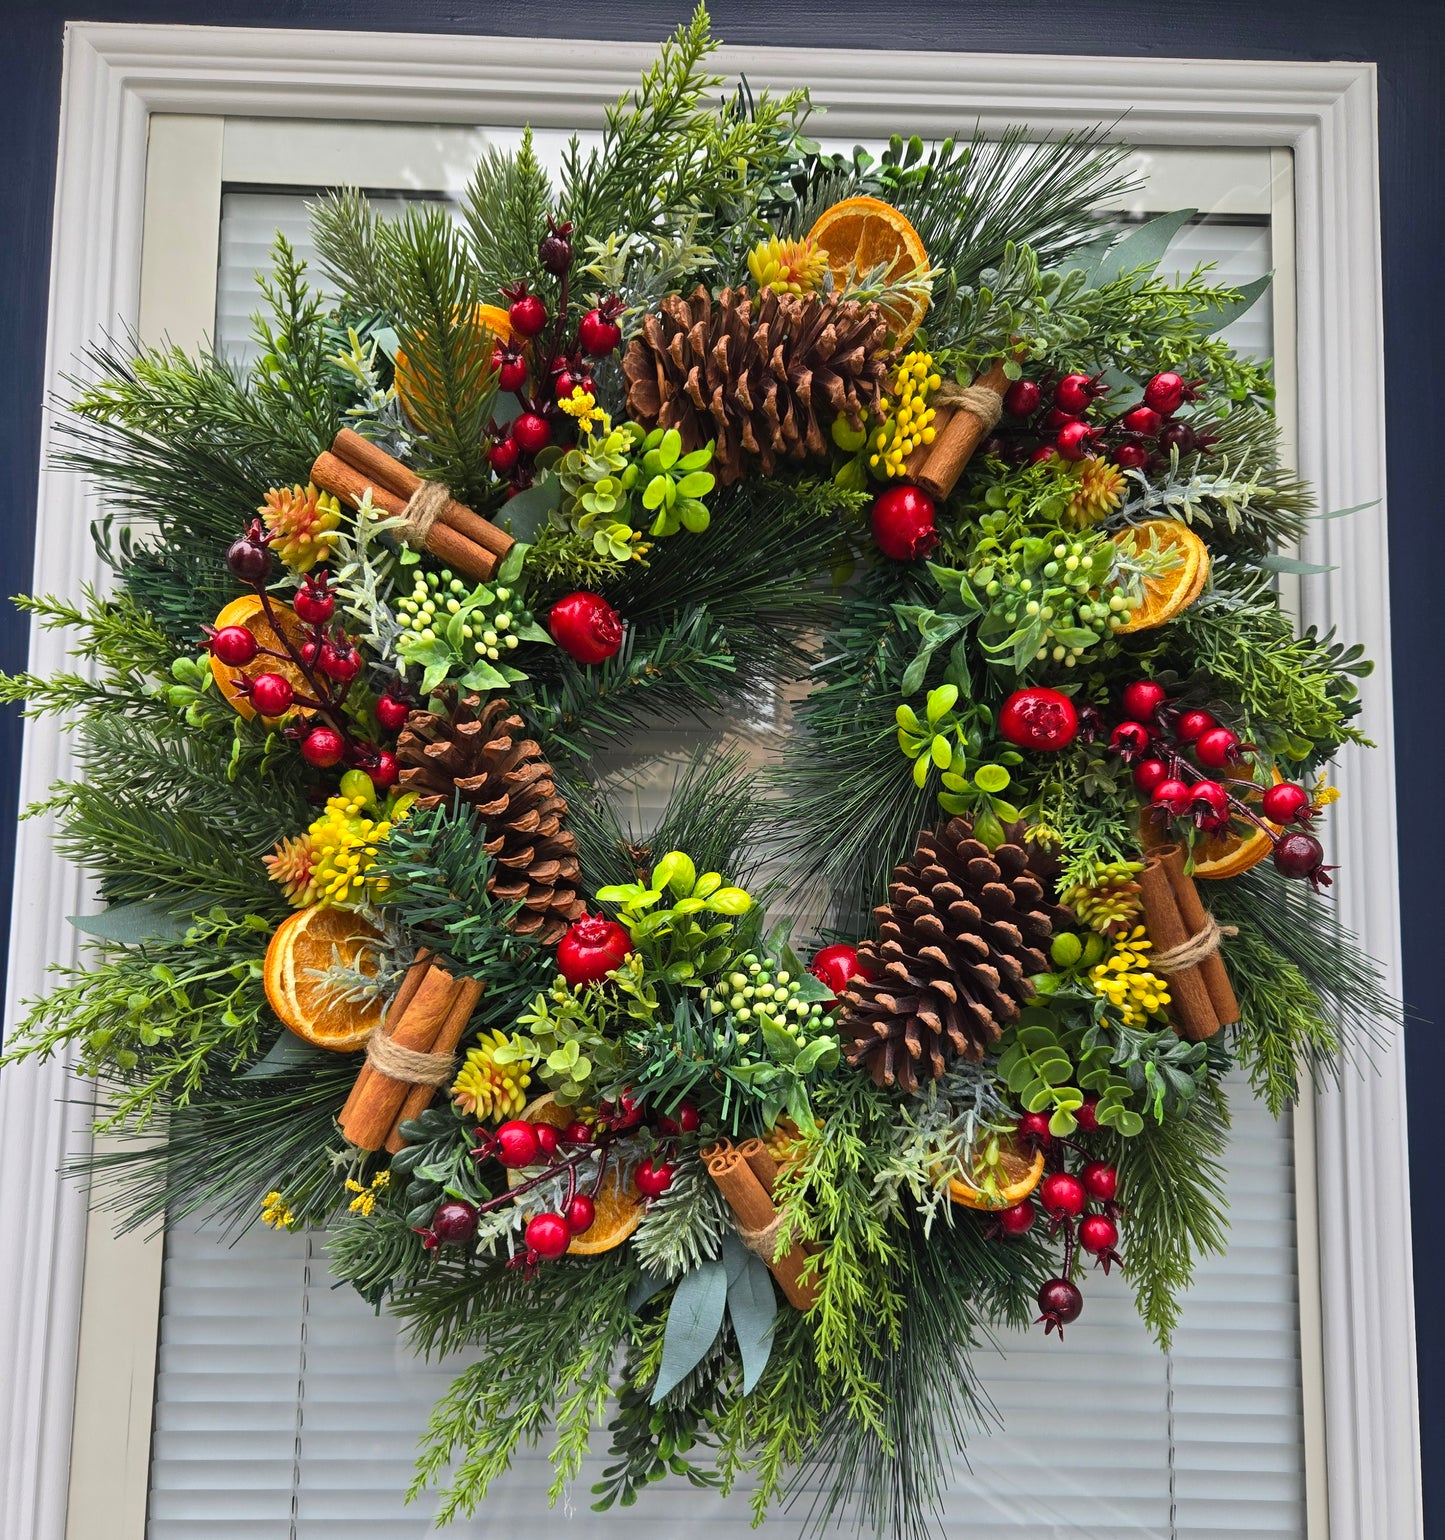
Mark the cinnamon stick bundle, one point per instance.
(959, 427)
(448, 529)
(1201, 999)
(757, 1217)
(424, 1022)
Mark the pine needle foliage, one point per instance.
(505, 209)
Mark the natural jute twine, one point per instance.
(389, 1058)
(978, 400)
(763, 1243)
(423, 509)
(1191, 953)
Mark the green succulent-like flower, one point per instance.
(674, 483)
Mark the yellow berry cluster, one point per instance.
(910, 418)
(1124, 979)
(276, 1213)
(343, 845)
(365, 1199)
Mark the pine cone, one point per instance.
(963, 930)
(503, 776)
(762, 377)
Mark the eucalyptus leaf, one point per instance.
(693, 1321)
(753, 1309)
(1143, 247)
(130, 924)
(529, 510)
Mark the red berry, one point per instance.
(234, 646)
(581, 1212)
(586, 627)
(1042, 453)
(1173, 796)
(1098, 1234)
(548, 1235)
(1055, 418)
(591, 949)
(903, 523)
(1015, 1220)
(528, 315)
(340, 660)
(1143, 420)
(503, 456)
(1210, 804)
(453, 1224)
(511, 369)
(565, 382)
(1061, 1303)
(598, 334)
(1076, 439)
(1217, 748)
(1285, 803)
(547, 1139)
(1038, 718)
(1087, 1116)
(1130, 457)
(313, 604)
(686, 1119)
(1075, 393)
(835, 965)
(577, 1133)
(516, 1144)
(1143, 698)
(1129, 740)
(308, 650)
(323, 747)
(1148, 773)
(1022, 398)
(1101, 1180)
(384, 771)
(272, 694)
(1035, 1126)
(1165, 393)
(531, 432)
(1061, 1192)
(1191, 724)
(391, 713)
(653, 1180)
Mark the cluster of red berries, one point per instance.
(1180, 758)
(1065, 1196)
(1046, 417)
(520, 1144)
(542, 373)
(325, 657)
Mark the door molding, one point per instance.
(117, 76)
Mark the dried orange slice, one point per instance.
(1171, 592)
(1228, 854)
(304, 946)
(619, 1206)
(1007, 1181)
(861, 234)
(490, 324)
(246, 611)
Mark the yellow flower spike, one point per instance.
(303, 524)
(275, 1213)
(486, 1088)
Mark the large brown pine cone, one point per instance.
(485, 755)
(762, 377)
(964, 929)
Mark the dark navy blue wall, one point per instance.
(1405, 37)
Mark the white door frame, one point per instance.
(116, 77)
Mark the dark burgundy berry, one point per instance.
(554, 250)
(1302, 855)
(1061, 1303)
(454, 1223)
(1178, 435)
(248, 559)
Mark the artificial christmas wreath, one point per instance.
(713, 413)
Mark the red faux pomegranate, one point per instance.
(585, 626)
(591, 949)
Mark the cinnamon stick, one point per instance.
(760, 1163)
(914, 464)
(394, 477)
(371, 1109)
(1196, 919)
(1190, 1004)
(344, 481)
(953, 446)
(399, 1002)
(420, 1097)
(756, 1214)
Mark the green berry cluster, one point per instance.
(759, 991)
(491, 627)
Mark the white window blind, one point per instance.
(285, 1410)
